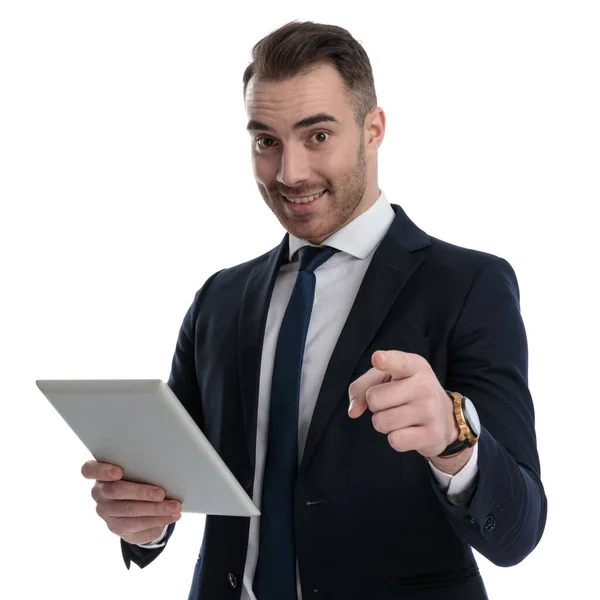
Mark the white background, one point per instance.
(125, 182)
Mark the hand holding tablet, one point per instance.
(135, 512)
(141, 428)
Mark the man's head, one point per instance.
(315, 127)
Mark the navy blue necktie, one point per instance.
(275, 577)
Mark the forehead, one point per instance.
(280, 104)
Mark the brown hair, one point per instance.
(297, 47)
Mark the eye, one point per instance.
(320, 137)
(265, 142)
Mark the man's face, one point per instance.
(307, 152)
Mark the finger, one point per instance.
(388, 365)
(381, 396)
(398, 364)
(389, 394)
(414, 438)
(101, 471)
(128, 490)
(128, 526)
(368, 399)
(357, 407)
(358, 389)
(135, 508)
(399, 417)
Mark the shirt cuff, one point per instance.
(455, 486)
(159, 542)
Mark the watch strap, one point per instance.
(466, 437)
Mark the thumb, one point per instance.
(357, 407)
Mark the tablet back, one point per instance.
(141, 426)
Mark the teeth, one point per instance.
(305, 199)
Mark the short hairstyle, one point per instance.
(298, 47)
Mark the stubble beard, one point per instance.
(344, 197)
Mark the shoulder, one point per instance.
(449, 255)
(232, 278)
(440, 257)
(465, 262)
(453, 273)
(225, 287)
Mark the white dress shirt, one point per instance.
(337, 283)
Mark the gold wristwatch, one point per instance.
(468, 423)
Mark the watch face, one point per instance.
(472, 416)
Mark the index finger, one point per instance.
(396, 363)
(101, 471)
(388, 365)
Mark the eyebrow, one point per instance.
(306, 122)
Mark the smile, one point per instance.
(304, 199)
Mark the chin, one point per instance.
(309, 233)
(314, 227)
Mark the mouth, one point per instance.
(304, 203)
(304, 199)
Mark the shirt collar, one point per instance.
(359, 237)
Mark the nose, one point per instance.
(294, 167)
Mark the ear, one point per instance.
(374, 130)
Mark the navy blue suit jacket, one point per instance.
(372, 522)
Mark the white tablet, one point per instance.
(141, 426)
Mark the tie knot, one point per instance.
(312, 257)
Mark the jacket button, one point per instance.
(490, 523)
(232, 580)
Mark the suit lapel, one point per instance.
(251, 328)
(393, 263)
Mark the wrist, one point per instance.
(465, 426)
(454, 463)
(452, 428)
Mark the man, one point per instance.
(278, 360)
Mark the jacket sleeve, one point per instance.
(504, 516)
(183, 382)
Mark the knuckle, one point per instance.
(429, 411)
(375, 421)
(162, 508)
(420, 360)
(432, 387)
(112, 526)
(100, 510)
(432, 383)
(372, 397)
(128, 508)
(396, 442)
(108, 489)
(148, 522)
(95, 493)
(141, 492)
(114, 490)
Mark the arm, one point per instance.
(184, 384)
(505, 517)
